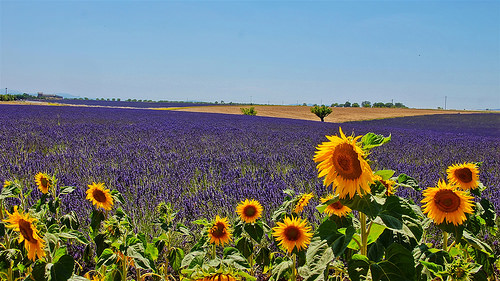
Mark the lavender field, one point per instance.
(204, 164)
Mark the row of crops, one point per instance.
(203, 165)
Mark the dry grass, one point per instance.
(338, 115)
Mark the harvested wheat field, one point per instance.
(339, 114)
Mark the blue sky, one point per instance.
(278, 52)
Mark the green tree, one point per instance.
(366, 104)
(347, 104)
(355, 104)
(249, 111)
(321, 111)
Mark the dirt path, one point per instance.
(339, 114)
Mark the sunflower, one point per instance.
(303, 201)
(28, 233)
(6, 183)
(100, 196)
(94, 278)
(465, 176)
(219, 233)
(444, 203)
(335, 208)
(293, 232)
(43, 181)
(249, 210)
(341, 162)
(389, 185)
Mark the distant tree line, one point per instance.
(10, 97)
(369, 104)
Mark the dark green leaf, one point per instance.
(263, 257)
(432, 267)
(10, 191)
(107, 258)
(282, 269)
(476, 242)
(358, 268)
(255, 230)
(136, 251)
(407, 181)
(245, 246)
(63, 268)
(70, 220)
(368, 204)
(175, 257)
(318, 257)
(95, 220)
(73, 234)
(193, 259)
(39, 271)
(489, 214)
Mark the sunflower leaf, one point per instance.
(371, 140)
(318, 257)
(255, 230)
(63, 268)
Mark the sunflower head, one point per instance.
(335, 208)
(302, 203)
(465, 176)
(293, 233)
(100, 196)
(44, 182)
(7, 183)
(249, 210)
(219, 233)
(445, 204)
(341, 162)
(389, 185)
(24, 224)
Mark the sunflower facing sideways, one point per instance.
(249, 210)
(293, 233)
(444, 203)
(100, 196)
(23, 224)
(44, 182)
(335, 208)
(219, 233)
(465, 176)
(303, 201)
(342, 164)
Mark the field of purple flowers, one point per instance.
(204, 164)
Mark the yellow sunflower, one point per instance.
(100, 196)
(43, 181)
(389, 185)
(465, 176)
(249, 210)
(293, 233)
(219, 233)
(444, 203)
(28, 233)
(303, 201)
(335, 208)
(94, 278)
(341, 162)
(6, 183)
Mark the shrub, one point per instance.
(249, 111)
(321, 111)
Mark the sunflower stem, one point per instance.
(213, 251)
(445, 241)
(364, 234)
(294, 267)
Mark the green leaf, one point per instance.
(371, 140)
(136, 251)
(398, 265)
(476, 243)
(263, 257)
(432, 267)
(39, 271)
(237, 261)
(10, 191)
(67, 190)
(337, 239)
(95, 220)
(409, 182)
(107, 258)
(244, 245)
(255, 230)
(385, 174)
(59, 253)
(193, 259)
(375, 231)
(175, 257)
(151, 251)
(282, 269)
(318, 257)
(488, 213)
(9, 256)
(368, 204)
(73, 234)
(70, 220)
(62, 270)
(358, 267)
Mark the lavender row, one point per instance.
(134, 104)
(204, 164)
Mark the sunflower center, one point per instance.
(292, 233)
(26, 231)
(44, 182)
(447, 201)
(337, 205)
(99, 195)
(218, 230)
(346, 162)
(464, 174)
(250, 211)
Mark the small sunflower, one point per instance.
(6, 183)
(341, 162)
(303, 201)
(100, 196)
(465, 176)
(43, 181)
(249, 210)
(219, 233)
(28, 233)
(335, 208)
(293, 233)
(389, 185)
(444, 203)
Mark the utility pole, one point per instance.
(5, 90)
(445, 97)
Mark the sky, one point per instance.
(419, 53)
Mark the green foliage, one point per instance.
(249, 111)
(321, 111)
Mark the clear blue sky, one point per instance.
(414, 52)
